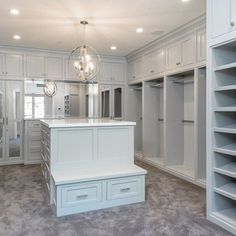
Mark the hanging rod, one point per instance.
(188, 121)
(159, 85)
(137, 89)
(160, 119)
(182, 81)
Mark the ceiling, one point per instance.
(55, 24)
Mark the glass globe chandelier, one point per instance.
(85, 60)
(50, 88)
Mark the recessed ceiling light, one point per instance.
(139, 30)
(17, 37)
(14, 11)
(185, 0)
(113, 48)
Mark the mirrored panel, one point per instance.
(72, 99)
(14, 142)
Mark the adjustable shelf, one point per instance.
(231, 129)
(227, 190)
(229, 149)
(226, 109)
(225, 67)
(225, 88)
(228, 169)
(227, 215)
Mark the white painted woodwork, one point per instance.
(173, 56)
(201, 45)
(11, 65)
(112, 72)
(135, 70)
(53, 67)
(34, 66)
(188, 50)
(90, 164)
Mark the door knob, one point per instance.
(232, 24)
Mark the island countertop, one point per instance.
(72, 123)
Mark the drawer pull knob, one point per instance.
(82, 196)
(125, 190)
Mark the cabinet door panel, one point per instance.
(14, 64)
(2, 64)
(158, 62)
(35, 66)
(173, 53)
(220, 11)
(2, 115)
(70, 71)
(131, 75)
(118, 72)
(188, 50)
(201, 45)
(53, 67)
(105, 72)
(147, 64)
(138, 69)
(233, 13)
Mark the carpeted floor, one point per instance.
(172, 207)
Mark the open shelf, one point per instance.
(225, 67)
(183, 170)
(229, 149)
(228, 169)
(227, 190)
(227, 215)
(225, 88)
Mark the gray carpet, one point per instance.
(172, 207)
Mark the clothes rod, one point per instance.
(160, 119)
(183, 81)
(159, 85)
(137, 89)
(188, 121)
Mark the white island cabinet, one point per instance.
(88, 164)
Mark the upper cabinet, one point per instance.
(11, 65)
(201, 45)
(181, 53)
(223, 20)
(44, 67)
(112, 72)
(154, 63)
(135, 70)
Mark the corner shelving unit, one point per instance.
(153, 121)
(221, 181)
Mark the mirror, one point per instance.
(72, 99)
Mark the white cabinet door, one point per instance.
(220, 12)
(147, 64)
(35, 66)
(233, 14)
(118, 72)
(188, 50)
(53, 67)
(138, 69)
(158, 61)
(105, 72)
(201, 45)
(70, 71)
(131, 76)
(14, 65)
(173, 56)
(2, 64)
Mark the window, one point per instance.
(34, 105)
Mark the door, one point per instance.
(13, 120)
(105, 101)
(158, 61)
(173, 54)
(201, 45)
(53, 67)
(148, 67)
(35, 66)
(2, 119)
(2, 64)
(220, 12)
(188, 50)
(14, 65)
(106, 72)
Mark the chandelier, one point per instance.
(85, 60)
(50, 88)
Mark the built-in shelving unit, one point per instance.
(222, 136)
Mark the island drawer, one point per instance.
(81, 194)
(124, 188)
